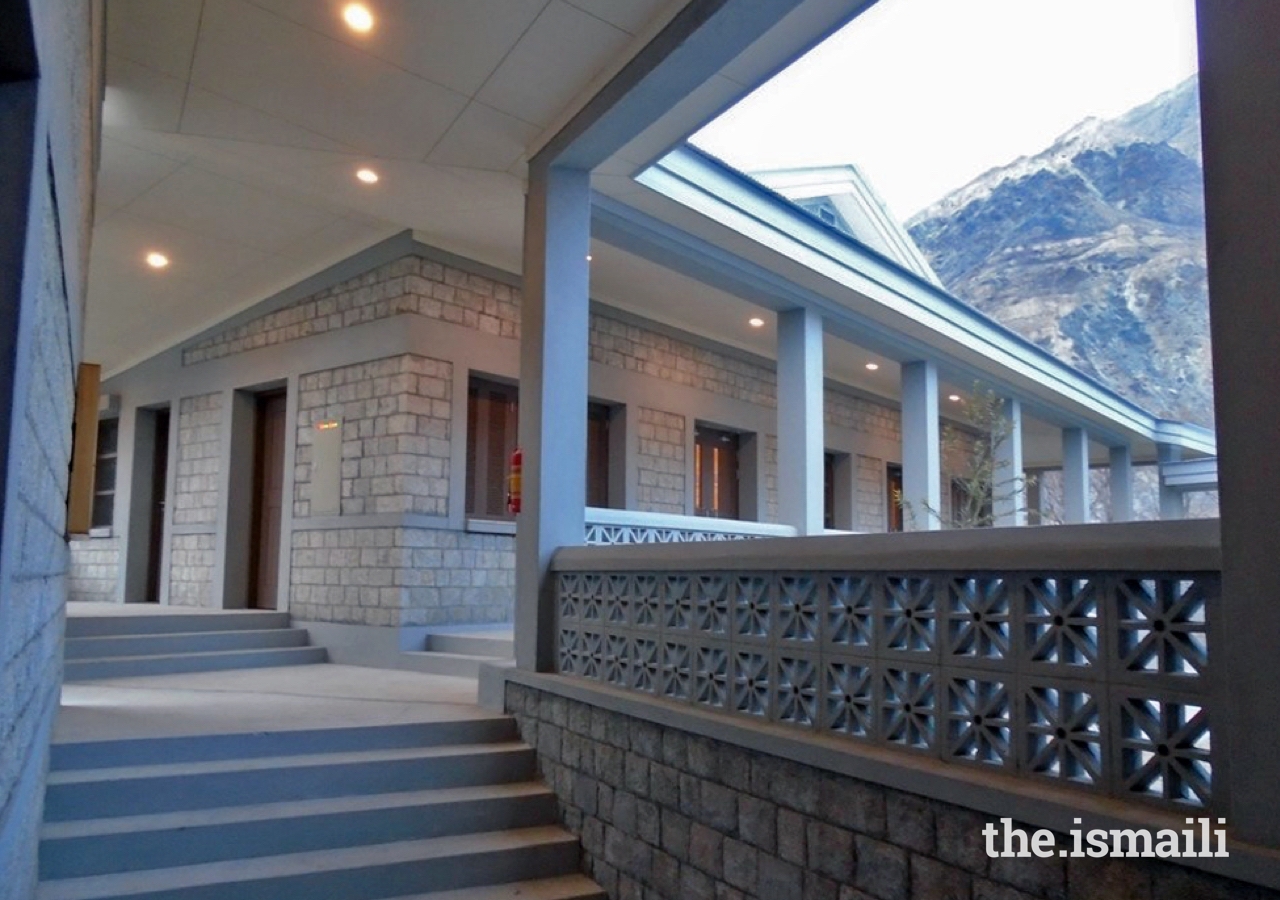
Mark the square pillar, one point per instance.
(1239, 93)
(1075, 476)
(1009, 485)
(800, 411)
(553, 398)
(921, 451)
(1122, 483)
(1172, 504)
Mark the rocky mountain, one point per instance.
(1094, 249)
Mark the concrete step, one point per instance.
(135, 666)
(182, 642)
(165, 840)
(457, 665)
(141, 790)
(356, 873)
(471, 644)
(207, 748)
(79, 626)
(566, 887)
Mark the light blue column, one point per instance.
(800, 442)
(553, 397)
(1075, 476)
(1121, 483)
(921, 453)
(1172, 504)
(1009, 501)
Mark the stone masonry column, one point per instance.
(921, 451)
(800, 441)
(553, 397)
(1075, 476)
(1239, 94)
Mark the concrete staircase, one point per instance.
(460, 653)
(442, 810)
(124, 646)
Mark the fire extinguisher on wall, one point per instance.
(514, 478)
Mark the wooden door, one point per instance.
(715, 469)
(159, 471)
(268, 500)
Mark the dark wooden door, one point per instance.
(159, 471)
(715, 468)
(893, 489)
(268, 500)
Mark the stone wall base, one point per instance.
(667, 815)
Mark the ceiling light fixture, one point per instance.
(368, 176)
(756, 322)
(871, 367)
(954, 398)
(357, 17)
(157, 260)
(588, 257)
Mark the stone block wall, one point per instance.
(396, 415)
(418, 286)
(664, 814)
(195, 490)
(45, 219)
(192, 558)
(95, 569)
(872, 511)
(411, 285)
(401, 576)
(660, 459)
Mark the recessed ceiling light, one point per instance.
(871, 367)
(588, 257)
(357, 17)
(157, 260)
(756, 322)
(368, 176)
(954, 398)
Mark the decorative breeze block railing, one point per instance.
(1090, 679)
(608, 527)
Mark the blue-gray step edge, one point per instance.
(219, 661)
(480, 729)
(456, 664)
(182, 642)
(471, 645)
(132, 843)
(565, 887)
(374, 872)
(140, 790)
(170, 623)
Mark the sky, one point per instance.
(925, 95)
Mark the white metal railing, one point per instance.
(1072, 655)
(627, 526)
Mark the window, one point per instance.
(715, 473)
(104, 473)
(893, 493)
(493, 413)
(967, 510)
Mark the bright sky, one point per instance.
(925, 95)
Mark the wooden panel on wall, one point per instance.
(84, 450)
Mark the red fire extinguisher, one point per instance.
(514, 478)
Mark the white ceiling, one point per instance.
(233, 129)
